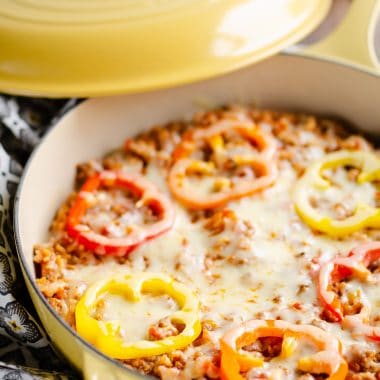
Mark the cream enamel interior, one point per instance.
(286, 81)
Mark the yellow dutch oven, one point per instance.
(337, 77)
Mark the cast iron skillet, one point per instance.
(294, 81)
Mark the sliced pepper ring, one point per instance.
(105, 334)
(149, 195)
(354, 265)
(359, 325)
(261, 162)
(186, 194)
(265, 144)
(328, 360)
(364, 215)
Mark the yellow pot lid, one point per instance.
(103, 47)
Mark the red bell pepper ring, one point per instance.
(341, 268)
(259, 158)
(148, 195)
(327, 360)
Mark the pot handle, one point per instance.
(353, 40)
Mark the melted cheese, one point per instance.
(113, 213)
(284, 368)
(341, 199)
(147, 311)
(273, 278)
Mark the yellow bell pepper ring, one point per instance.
(105, 335)
(312, 180)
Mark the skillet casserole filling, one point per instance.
(241, 244)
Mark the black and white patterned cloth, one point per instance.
(25, 350)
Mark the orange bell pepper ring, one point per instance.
(234, 361)
(355, 265)
(227, 161)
